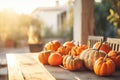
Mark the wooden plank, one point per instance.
(13, 68)
(29, 68)
(83, 74)
(24, 67)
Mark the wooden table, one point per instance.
(27, 67)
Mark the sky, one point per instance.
(26, 6)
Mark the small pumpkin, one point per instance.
(105, 46)
(69, 44)
(115, 56)
(53, 45)
(104, 66)
(90, 55)
(43, 56)
(55, 59)
(72, 63)
(64, 50)
(76, 50)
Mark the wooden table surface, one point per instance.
(27, 67)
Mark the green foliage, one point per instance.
(102, 25)
(114, 16)
(64, 33)
(47, 32)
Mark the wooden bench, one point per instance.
(93, 39)
(114, 43)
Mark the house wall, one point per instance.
(77, 30)
(51, 19)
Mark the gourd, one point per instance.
(115, 56)
(55, 59)
(69, 44)
(76, 50)
(53, 45)
(43, 56)
(72, 63)
(64, 50)
(90, 55)
(105, 46)
(104, 66)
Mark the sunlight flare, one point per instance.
(27, 6)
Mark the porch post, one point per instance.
(77, 29)
(83, 20)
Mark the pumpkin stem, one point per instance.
(100, 45)
(72, 57)
(75, 51)
(106, 56)
(65, 46)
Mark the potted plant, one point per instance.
(9, 39)
(35, 40)
(10, 43)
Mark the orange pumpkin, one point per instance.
(89, 56)
(55, 59)
(53, 45)
(104, 66)
(63, 50)
(115, 56)
(105, 46)
(69, 44)
(43, 56)
(76, 50)
(64, 60)
(72, 63)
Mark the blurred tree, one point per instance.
(114, 16)
(8, 22)
(102, 25)
(15, 26)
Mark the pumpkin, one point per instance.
(115, 56)
(69, 44)
(72, 63)
(76, 50)
(105, 46)
(104, 66)
(63, 50)
(55, 59)
(90, 55)
(53, 45)
(43, 56)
